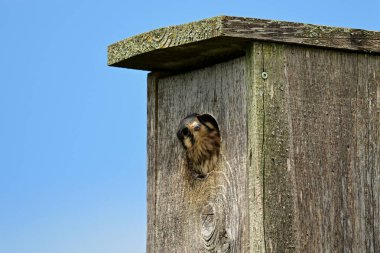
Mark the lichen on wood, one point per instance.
(198, 44)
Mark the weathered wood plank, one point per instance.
(330, 98)
(255, 154)
(323, 138)
(365, 91)
(300, 33)
(152, 151)
(372, 76)
(314, 136)
(269, 134)
(193, 215)
(205, 42)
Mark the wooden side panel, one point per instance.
(152, 150)
(374, 143)
(255, 153)
(368, 147)
(187, 214)
(334, 173)
(320, 142)
(322, 87)
(270, 175)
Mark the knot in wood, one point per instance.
(208, 222)
(213, 230)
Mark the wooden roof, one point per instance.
(212, 40)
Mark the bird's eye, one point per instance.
(197, 127)
(185, 131)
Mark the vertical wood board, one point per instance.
(272, 201)
(314, 136)
(332, 97)
(187, 214)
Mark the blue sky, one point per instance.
(73, 131)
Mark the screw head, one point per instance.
(264, 75)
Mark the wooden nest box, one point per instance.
(298, 107)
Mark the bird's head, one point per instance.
(199, 135)
(196, 131)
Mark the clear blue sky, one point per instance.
(73, 131)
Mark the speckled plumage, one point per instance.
(200, 136)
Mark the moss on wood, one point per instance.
(217, 39)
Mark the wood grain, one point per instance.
(333, 178)
(152, 151)
(187, 214)
(209, 41)
(302, 34)
(300, 163)
(272, 204)
(316, 118)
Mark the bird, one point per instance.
(200, 137)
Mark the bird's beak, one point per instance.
(179, 134)
(182, 132)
